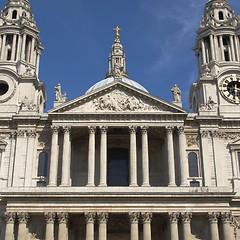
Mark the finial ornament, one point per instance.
(117, 35)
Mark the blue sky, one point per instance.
(157, 36)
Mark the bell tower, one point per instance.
(20, 50)
(217, 91)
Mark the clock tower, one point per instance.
(217, 49)
(21, 92)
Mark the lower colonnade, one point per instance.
(96, 225)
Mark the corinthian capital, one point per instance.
(62, 217)
(226, 217)
(102, 217)
(55, 129)
(50, 217)
(132, 129)
(213, 217)
(90, 217)
(186, 217)
(103, 129)
(134, 217)
(10, 217)
(23, 217)
(92, 129)
(146, 217)
(173, 217)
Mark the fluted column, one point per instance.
(10, 220)
(227, 229)
(37, 63)
(23, 46)
(91, 156)
(133, 156)
(90, 219)
(182, 156)
(54, 157)
(103, 156)
(212, 47)
(134, 218)
(14, 47)
(18, 56)
(66, 161)
(186, 221)
(170, 157)
(232, 48)
(213, 220)
(147, 218)
(22, 227)
(102, 222)
(62, 227)
(50, 219)
(236, 40)
(3, 47)
(203, 52)
(173, 223)
(221, 47)
(30, 156)
(32, 57)
(145, 156)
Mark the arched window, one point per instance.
(43, 164)
(14, 14)
(220, 15)
(193, 164)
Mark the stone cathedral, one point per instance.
(119, 163)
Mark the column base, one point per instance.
(52, 185)
(133, 185)
(63, 185)
(90, 185)
(102, 185)
(172, 185)
(146, 185)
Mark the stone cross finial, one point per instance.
(117, 35)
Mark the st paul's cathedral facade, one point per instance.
(118, 162)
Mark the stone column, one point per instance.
(23, 46)
(50, 219)
(186, 221)
(213, 220)
(30, 156)
(227, 229)
(221, 47)
(205, 155)
(102, 221)
(145, 156)
(134, 218)
(32, 57)
(62, 227)
(14, 47)
(133, 156)
(173, 222)
(19, 47)
(90, 218)
(91, 156)
(37, 63)
(237, 48)
(170, 157)
(22, 227)
(0, 44)
(3, 47)
(66, 160)
(147, 218)
(11, 158)
(212, 47)
(203, 52)
(10, 220)
(182, 156)
(103, 157)
(54, 157)
(232, 48)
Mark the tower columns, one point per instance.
(203, 52)
(236, 40)
(134, 218)
(14, 47)
(19, 47)
(232, 48)
(213, 54)
(221, 47)
(3, 46)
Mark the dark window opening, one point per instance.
(24, 14)
(193, 165)
(43, 164)
(3, 88)
(118, 165)
(226, 56)
(14, 14)
(225, 41)
(220, 15)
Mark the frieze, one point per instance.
(117, 101)
(192, 140)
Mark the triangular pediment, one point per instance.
(117, 98)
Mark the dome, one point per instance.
(111, 79)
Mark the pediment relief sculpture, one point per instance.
(117, 101)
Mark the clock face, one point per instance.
(230, 89)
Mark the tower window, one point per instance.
(3, 88)
(220, 15)
(24, 14)
(42, 164)
(14, 14)
(193, 164)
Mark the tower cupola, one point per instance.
(117, 59)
